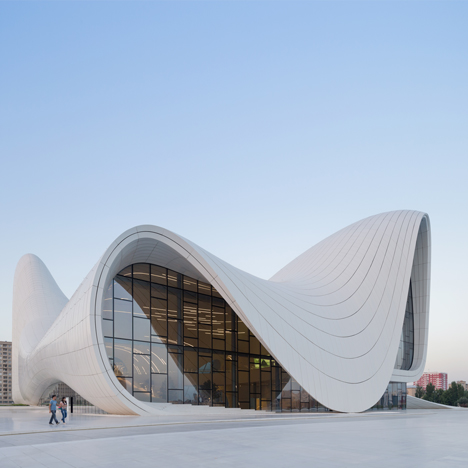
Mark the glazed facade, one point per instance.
(405, 354)
(173, 339)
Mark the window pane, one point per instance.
(159, 307)
(107, 302)
(231, 400)
(140, 347)
(122, 319)
(108, 327)
(141, 271)
(159, 388)
(254, 376)
(266, 385)
(190, 299)
(204, 309)
(141, 373)
(190, 320)
(243, 363)
(296, 401)
(190, 361)
(243, 387)
(229, 317)
(276, 378)
(218, 323)
(109, 344)
(204, 386)
(158, 358)
(176, 396)
(175, 330)
(218, 389)
(242, 330)
(123, 358)
(190, 284)
(142, 396)
(175, 371)
(266, 405)
(126, 383)
(204, 364)
(218, 362)
(215, 293)
(141, 329)
(286, 381)
(141, 299)
(286, 404)
(123, 288)
(191, 389)
(218, 344)
(126, 272)
(204, 288)
(158, 275)
(204, 336)
(174, 306)
(295, 385)
(174, 279)
(229, 341)
(231, 374)
(243, 346)
(159, 291)
(254, 345)
(159, 317)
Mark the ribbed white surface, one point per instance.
(332, 317)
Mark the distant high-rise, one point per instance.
(463, 384)
(438, 379)
(5, 373)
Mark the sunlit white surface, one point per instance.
(332, 317)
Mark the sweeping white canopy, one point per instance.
(332, 317)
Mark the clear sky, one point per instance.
(254, 129)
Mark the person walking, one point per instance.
(63, 408)
(53, 409)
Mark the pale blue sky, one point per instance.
(254, 129)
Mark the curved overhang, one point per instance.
(332, 317)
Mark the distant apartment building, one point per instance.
(438, 379)
(463, 384)
(5, 373)
(411, 390)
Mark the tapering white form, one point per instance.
(332, 317)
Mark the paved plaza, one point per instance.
(387, 439)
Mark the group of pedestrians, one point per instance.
(62, 406)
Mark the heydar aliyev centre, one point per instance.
(159, 320)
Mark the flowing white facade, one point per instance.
(332, 318)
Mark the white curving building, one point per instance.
(160, 320)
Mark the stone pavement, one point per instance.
(395, 439)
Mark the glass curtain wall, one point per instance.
(171, 338)
(394, 397)
(405, 354)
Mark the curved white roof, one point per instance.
(332, 317)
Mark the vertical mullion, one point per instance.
(133, 377)
(151, 335)
(167, 335)
(113, 328)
